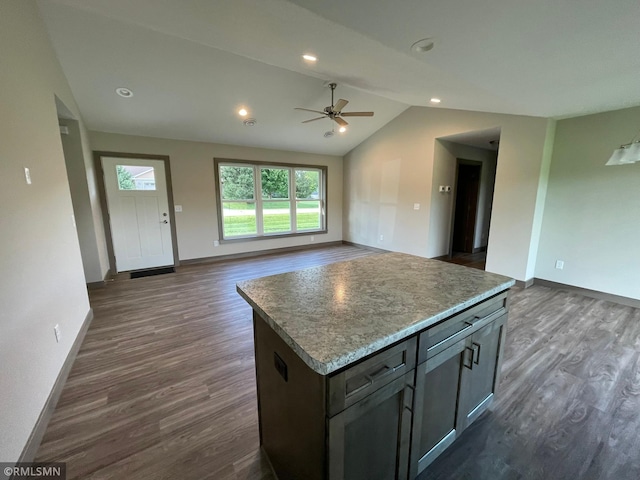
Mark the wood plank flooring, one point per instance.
(164, 385)
(473, 260)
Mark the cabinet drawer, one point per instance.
(444, 334)
(355, 383)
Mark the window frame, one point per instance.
(258, 200)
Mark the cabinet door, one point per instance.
(370, 440)
(435, 423)
(480, 370)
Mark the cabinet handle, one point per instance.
(470, 366)
(478, 319)
(382, 372)
(361, 387)
(477, 355)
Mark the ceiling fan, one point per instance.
(334, 112)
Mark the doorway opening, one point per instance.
(466, 166)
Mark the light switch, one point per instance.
(416, 206)
(27, 175)
(178, 208)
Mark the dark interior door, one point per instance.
(464, 224)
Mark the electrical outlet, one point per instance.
(312, 238)
(57, 332)
(382, 238)
(559, 264)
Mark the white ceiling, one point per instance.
(192, 63)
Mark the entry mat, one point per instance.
(151, 272)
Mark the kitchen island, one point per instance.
(370, 368)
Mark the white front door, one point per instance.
(138, 208)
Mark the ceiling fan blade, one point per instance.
(340, 104)
(307, 110)
(356, 114)
(313, 119)
(340, 121)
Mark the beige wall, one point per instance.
(42, 282)
(592, 213)
(393, 169)
(86, 207)
(193, 180)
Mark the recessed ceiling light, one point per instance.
(423, 46)
(435, 100)
(249, 122)
(242, 112)
(342, 129)
(124, 92)
(309, 58)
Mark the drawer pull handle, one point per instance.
(478, 319)
(367, 384)
(382, 372)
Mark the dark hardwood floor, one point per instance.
(164, 385)
(474, 260)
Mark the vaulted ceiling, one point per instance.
(192, 64)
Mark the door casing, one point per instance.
(97, 161)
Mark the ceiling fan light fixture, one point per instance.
(423, 46)
(310, 58)
(342, 129)
(242, 112)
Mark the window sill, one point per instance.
(271, 237)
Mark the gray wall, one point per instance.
(394, 168)
(42, 282)
(592, 213)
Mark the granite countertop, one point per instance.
(336, 314)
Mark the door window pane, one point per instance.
(239, 219)
(134, 177)
(308, 214)
(237, 182)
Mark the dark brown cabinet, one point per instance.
(480, 371)
(370, 440)
(435, 422)
(387, 416)
(456, 376)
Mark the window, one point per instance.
(131, 177)
(266, 200)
